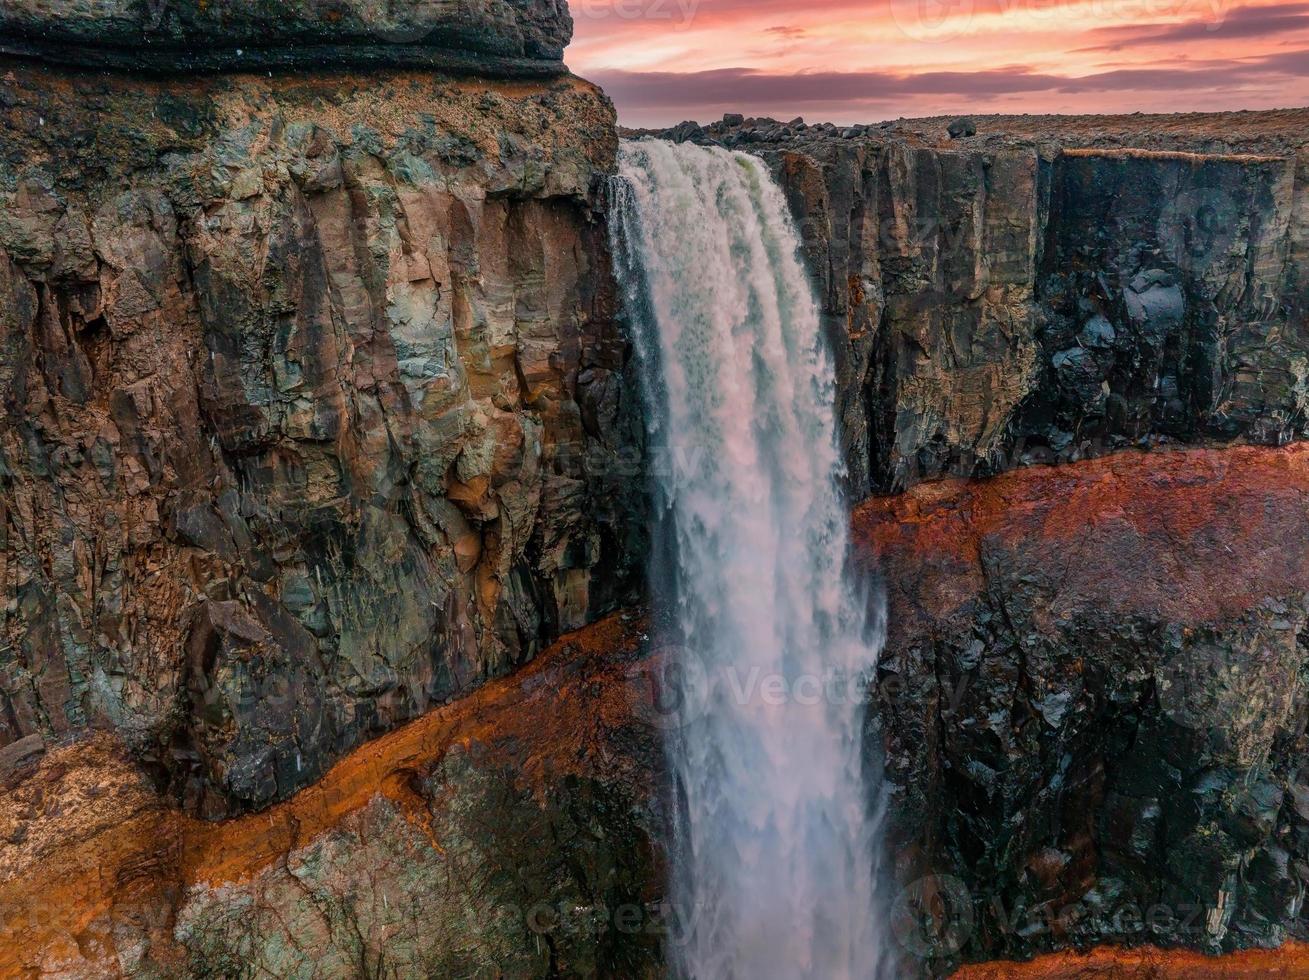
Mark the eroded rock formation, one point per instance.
(513, 833)
(313, 409)
(1052, 290)
(1093, 700)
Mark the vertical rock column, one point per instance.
(313, 403)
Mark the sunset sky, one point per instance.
(867, 60)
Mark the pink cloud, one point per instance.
(861, 60)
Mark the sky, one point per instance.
(858, 61)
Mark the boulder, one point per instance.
(962, 128)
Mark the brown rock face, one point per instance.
(1093, 703)
(313, 411)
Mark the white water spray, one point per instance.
(773, 873)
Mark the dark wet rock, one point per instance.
(1098, 334)
(1093, 700)
(508, 37)
(687, 132)
(957, 287)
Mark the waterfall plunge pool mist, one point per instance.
(773, 865)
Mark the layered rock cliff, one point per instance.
(318, 420)
(1093, 702)
(313, 410)
(1053, 290)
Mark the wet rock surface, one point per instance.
(1049, 292)
(498, 37)
(314, 410)
(1093, 704)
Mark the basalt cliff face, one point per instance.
(1055, 290)
(1093, 701)
(319, 428)
(313, 411)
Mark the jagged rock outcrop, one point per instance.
(1051, 292)
(490, 37)
(313, 409)
(1093, 703)
(513, 833)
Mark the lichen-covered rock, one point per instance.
(313, 409)
(1093, 703)
(513, 37)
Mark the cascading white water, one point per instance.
(773, 874)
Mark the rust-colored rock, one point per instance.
(99, 876)
(1290, 962)
(1093, 702)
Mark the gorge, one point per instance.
(773, 853)
(328, 510)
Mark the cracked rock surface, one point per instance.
(314, 411)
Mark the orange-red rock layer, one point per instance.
(87, 835)
(1291, 961)
(1188, 535)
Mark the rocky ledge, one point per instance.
(491, 37)
(1093, 703)
(515, 833)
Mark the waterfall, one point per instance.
(773, 866)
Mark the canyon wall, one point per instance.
(319, 427)
(314, 410)
(1050, 295)
(316, 420)
(1092, 706)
